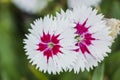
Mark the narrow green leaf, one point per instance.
(111, 61)
(72, 76)
(116, 75)
(115, 12)
(37, 73)
(98, 73)
(7, 55)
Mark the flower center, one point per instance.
(79, 38)
(83, 37)
(49, 45)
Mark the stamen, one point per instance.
(50, 45)
(78, 38)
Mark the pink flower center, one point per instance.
(83, 38)
(49, 45)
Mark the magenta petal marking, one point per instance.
(85, 38)
(76, 50)
(48, 53)
(56, 49)
(88, 39)
(84, 48)
(81, 28)
(89, 36)
(45, 38)
(42, 46)
(49, 45)
(54, 39)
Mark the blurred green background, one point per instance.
(14, 65)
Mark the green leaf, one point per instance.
(115, 12)
(7, 55)
(72, 76)
(98, 73)
(113, 63)
(116, 75)
(37, 73)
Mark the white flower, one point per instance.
(91, 37)
(31, 6)
(75, 3)
(114, 25)
(47, 44)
